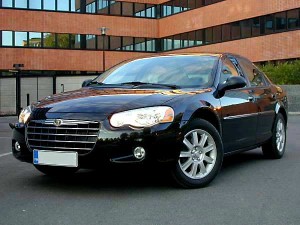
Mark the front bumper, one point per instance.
(162, 143)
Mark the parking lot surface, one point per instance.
(249, 190)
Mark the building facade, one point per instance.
(60, 43)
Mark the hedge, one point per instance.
(283, 73)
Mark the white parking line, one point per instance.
(5, 154)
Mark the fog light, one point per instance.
(17, 146)
(139, 153)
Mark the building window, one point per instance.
(256, 26)
(140, 44)
(115, 43)
(21, 4)
(35, 4)
(35, 40)
(246, 28)
(49, 40)
(177, 41)
(150, 45)
(115, 9)
(91, 8)
(167, 43)
(7, 38)
(63, 40)
(75, 5)
(269, 24)
(226, 32)
(217, 34)
(91, 41)
(7, 3)
(49, 4)
(293, 18)
(21, 39)
(199, 37)
(236, 30)
(280, 21)
(192, 38)
(100, 42)
(208, 35)
(127, 8)
(63, 5)
(128, 44)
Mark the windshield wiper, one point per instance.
(138, 83)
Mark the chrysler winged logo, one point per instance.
(57, 122)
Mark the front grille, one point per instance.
(62, 135)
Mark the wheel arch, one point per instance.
(209, 115)
(280, 109)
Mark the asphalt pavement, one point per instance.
(249, 190)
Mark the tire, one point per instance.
(56, 171)
(201, 156)
(275, 147)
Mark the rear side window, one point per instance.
(255, 77)
(228, 70)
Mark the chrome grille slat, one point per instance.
(83, 142)
(77, 135)
(62, 128)
(83, 149)
(72, 135)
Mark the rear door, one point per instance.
(239, 111)
(264, 96)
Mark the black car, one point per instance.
(185, 110)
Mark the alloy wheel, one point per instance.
(199, 156)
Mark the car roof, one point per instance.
(220, 55)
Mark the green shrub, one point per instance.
(283, 73)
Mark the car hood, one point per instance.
(105, 100)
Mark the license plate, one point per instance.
(52, 158)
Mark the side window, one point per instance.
(228, 70)
(255, 77)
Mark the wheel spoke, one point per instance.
(184, 154)
(195, 138)
(188, 143)
(193, 171)
(208, 159)
(203, 140)
(187, 164)
(208, 148)
(202, 168)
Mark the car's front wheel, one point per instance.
(275, 147)
(58, 171)
(201, 156)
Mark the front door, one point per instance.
(239, 113)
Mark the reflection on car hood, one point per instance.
(108, 100)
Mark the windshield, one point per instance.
(182, 71)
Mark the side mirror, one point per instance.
(232, 82)
(86, 83)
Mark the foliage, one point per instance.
(283, 73)
(63, 40)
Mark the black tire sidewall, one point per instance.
(178, 174)
(270, 149)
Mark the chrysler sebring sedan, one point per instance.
(186, 110)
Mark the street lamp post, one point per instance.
(17, 71)
(103, 31)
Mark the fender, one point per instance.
(211, 114)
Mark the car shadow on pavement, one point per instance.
(135, 177)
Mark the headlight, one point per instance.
(25, 114)
(144, 117)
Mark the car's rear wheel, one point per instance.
(201, 156)
(275, 147)
(58, 171)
